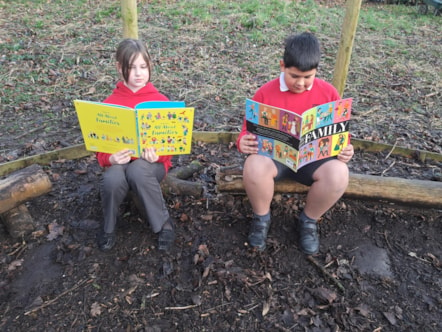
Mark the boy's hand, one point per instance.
(121, 157)
(248, 144)
(346, 153)
(150, 155)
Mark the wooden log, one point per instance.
(220, 137)
(18, 221)
(176, 183)
(23, 185)
(361, 186)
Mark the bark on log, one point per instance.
(175, 181)
(23, 185)
(18, 221)
(404, 191)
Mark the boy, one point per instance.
(297, 89)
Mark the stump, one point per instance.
(15, 190)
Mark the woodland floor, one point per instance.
(384, 258)
(379, 266)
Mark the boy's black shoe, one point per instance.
(308, 236)
(258, 233)
(106, 241)
(166, 237)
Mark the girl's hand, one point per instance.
(150, 155)
(346, 153)
(248, 144)
(121, 157)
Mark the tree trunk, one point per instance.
(416, 192)
(23, 185)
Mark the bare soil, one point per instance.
(379, 266)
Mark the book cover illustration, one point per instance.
(295, 140)
(166, 126)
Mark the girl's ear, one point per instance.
(119, 70)
(118, 66)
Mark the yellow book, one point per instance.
(164, 125)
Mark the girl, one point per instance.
(124, 172)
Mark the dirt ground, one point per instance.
(378, 268)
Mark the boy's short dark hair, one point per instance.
(302, 51)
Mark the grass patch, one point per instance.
(213, 54)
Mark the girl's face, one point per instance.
(138, 75)
(297, 81)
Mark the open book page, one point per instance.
(165, 126)
(295, 140)
(107, 128)
(168, 130)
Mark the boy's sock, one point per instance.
(304, 218)
(263, 218)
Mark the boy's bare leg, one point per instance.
(330, 182)
(258, 175)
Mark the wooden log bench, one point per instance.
(15, 190)
(422, 193)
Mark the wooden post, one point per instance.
(130, 18)
(346, 44)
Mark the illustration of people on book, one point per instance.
(342, 109)
(93, 135)
(278, 151)
(325, 115)
(253, 112)
(324, 146)
(285, 122)
(265, 117)
(293, 127)
(267, 146)
(340, 142)
(308, 125)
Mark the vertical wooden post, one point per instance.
(346, 44)
(130, 18)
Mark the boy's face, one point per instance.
(297, 81)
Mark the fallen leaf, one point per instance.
(95, 309)
(390, 317)
(265, 308)
(55, 230)
(14, 264)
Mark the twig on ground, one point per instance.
(55, 299)
(391, 151)
(325, 272)
(388, 168)
(181, 308)
(30, 132)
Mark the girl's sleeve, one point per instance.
(103, 159)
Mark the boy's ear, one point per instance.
(281, 65)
